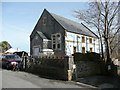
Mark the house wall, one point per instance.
(119, 36)
(48, 26)
(75, 40)
(36, 43)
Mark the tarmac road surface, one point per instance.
(16, 79)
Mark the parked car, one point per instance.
(0, 57)
(21, 53)
(0, 61)
(8, 60)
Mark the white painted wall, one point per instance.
(72, 40)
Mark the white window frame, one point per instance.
(45, 43)
(53, 40)
(56, 41)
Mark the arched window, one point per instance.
(56, 41)
(58, 38)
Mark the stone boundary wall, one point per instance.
(55, 68)
(88, 68)
(88, 64)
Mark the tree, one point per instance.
(5, 46)
(104, 17)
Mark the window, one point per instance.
(83, 49)
(90, 40)
(56, 41)
(45, 44)
(54, 46)
(91, 49)
(83, 39)
(58, 37)
(44, 20)
(74, 49)
(58, 46)
(53, 41)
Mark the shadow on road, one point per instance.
(97, 81)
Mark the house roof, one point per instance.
(11, 50)
(73, 26)
(41, 35)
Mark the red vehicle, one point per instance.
(11, 61)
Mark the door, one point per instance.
(36, 51)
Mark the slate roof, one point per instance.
(41, 35)
(73, 26)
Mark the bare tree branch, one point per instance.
(103, 16)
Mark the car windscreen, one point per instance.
(11, 57)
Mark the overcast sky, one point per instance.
(19, 19)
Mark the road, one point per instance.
(15, 79)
